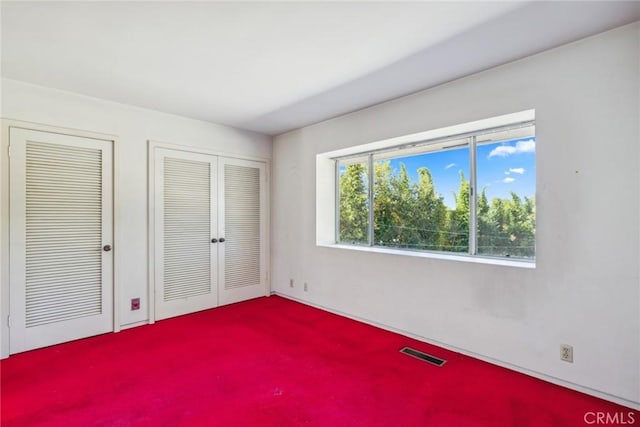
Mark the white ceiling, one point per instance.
(276, 66)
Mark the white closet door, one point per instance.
(185, 221)
(61, 206)
(243, 226)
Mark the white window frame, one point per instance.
(328, 179)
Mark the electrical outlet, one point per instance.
(135, 304)
(566, 353)
(291, 283)
(306, 287)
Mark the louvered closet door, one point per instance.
(243, 225)
(61, 285)
(185, 223)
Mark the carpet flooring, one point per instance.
(273, 362)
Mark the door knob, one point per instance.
(221, 239)
(106, 248)
(214, 240)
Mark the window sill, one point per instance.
(434, 255)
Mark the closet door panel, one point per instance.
(186, 222)
(61, 206)
(243, 225)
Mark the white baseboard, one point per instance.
(507, 365)
(135, 324)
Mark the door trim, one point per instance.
(5, 126)
(152, 145)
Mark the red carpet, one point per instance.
(273, 362)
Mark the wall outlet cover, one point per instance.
(566, 353)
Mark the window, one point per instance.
(471, 193)
(354, 201)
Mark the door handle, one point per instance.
(106, 248)
(214, 240)
(221, 239)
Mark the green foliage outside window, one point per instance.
(354, 209)
(413, 215)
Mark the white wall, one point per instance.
(585, 288)
(133, 127)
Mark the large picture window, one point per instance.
(467, 194)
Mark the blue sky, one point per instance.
(502, 167)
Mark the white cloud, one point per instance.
(450, 165)
(507, 173)
(508, 180)
(526, 146)
(517, 170)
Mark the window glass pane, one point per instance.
(421, 201)
(506, 178)
(354, 201)
(420, 198)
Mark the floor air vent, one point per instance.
(423, 356)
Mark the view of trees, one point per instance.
(413, 215)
